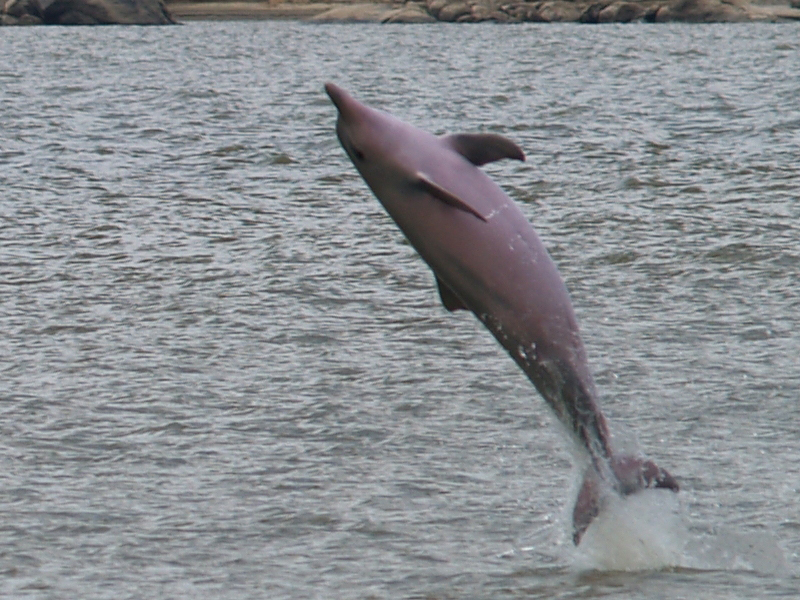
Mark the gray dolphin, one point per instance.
(487, 258)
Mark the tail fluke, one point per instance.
(632, 474)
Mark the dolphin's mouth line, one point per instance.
(353, 152)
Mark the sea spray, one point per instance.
(643, 531)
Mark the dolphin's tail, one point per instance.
(632, 475)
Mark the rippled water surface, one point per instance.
(225, 375)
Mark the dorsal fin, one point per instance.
(437, 191)
(449, 299)
(482, 148)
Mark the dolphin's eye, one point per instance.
(357, 153)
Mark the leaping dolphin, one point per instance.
(487, 258)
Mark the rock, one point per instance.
(523, 11)
(435, 7)
(481, 12)
(592, 13)
(141, 12)
(20, 8)
(413, 12)
(87, 12)
(621, 12)
(559, 11)
(774, 12)
(614, 12)
(21, 12)
(498, 16)
(453, 11)
(701, 11)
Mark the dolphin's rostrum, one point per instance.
(487, 258)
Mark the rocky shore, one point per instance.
(499, 11)
(159, 12)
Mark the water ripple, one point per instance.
(226, 374)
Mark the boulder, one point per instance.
(592, 13)
(774, 12)
(20, 8)
(413, 12)
(21, 12)
(560, 11)
(523, 11)
(621, 12)
(487, 12)
(614, 12)
(452, 11)
(701, 11)
(86, 12)
(435, 6)
(610, 11)
(481, 12)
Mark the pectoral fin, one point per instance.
(437, 191)
(482, 148)
(449, 299)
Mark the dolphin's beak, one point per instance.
(351, 113)
(341, 99)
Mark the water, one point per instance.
(225, 375)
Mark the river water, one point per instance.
(226, 375)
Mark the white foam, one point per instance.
(644, 531)
(648, 531)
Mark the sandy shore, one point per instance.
(187, 11)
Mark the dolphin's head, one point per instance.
(351, 114)
(353, 124)
(369, 136)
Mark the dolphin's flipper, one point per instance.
(449, 299)
(437, 191)
(482, 148)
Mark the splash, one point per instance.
(648, 531)
(643, 531)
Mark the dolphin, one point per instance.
(487, 258)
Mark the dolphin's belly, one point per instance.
(504, 275)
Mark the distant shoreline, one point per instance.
(167, 12)
(424, 11)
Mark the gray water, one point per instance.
(224, 374)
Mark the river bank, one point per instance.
(470, 11)
(159, 12)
